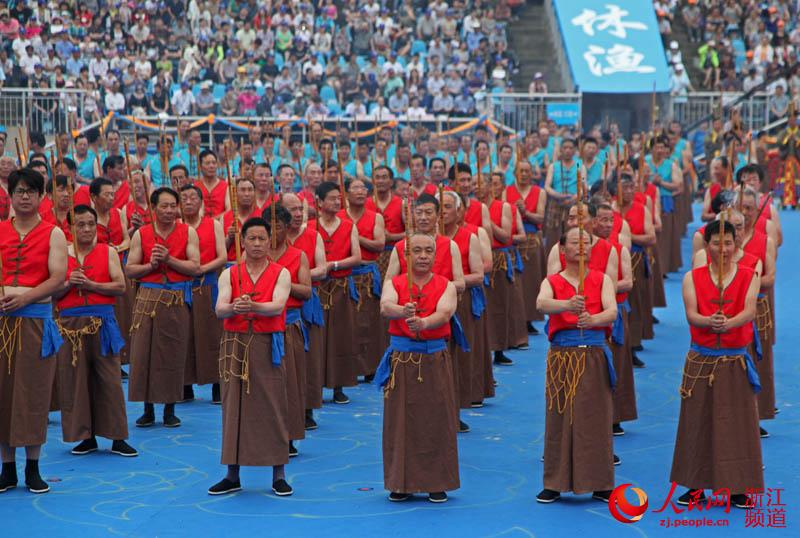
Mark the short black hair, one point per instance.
(61, 181)
(426, 198)
(284, 165)
(161, 190)
(383, 167)
(281, 214)
(751, 168)
(81, 209)
(29, 177)
(205, 153)
(457, 169)
(97, 185)
(434, 159)
(37, 138)
(69, 163)
(255, 222)
(112, 161)
(195, 188)
(324, 188)
(712, 229)
(179, 167)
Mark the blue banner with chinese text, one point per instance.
(613, 47)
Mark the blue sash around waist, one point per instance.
(183, 287)
(458, 333)
(752, 374)
(509, 262)
(667, 203)
(388, 248)
(574, 338)
(111, 340)
(51, 338)
(530, 227)
(311, 311)
(366, 268)
(351, 287)
(478, 301)
(618, 328)
(756, 337)
(639, 249)
(278, 349)
(518, 265)
(210, 280)
(293, 316)
(404, 344)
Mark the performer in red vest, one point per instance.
(580, 377)
(338, 293)
(390, 207)
(712, 451)
(89, 385)
(164, 258)
(215, 190)
(112, 224)
(296, 336)
(367, 276)
(34, 255)
(420, 453)
(305, 237)
(252, 303)
(202, 366)
(245, 202)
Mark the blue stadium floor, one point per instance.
(338, 476)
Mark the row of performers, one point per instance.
(164, 270)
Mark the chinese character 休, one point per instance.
(611, 21)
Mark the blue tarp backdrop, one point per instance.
(613, 47)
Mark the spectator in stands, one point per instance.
(229, 104)
(778, 103)
(693, 19)
(709, 63)
(537, 85)
(183, 101)
(115, 101)
(752, 80)
(680, 85)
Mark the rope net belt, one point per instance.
(499, 264)
(75, 336)
(401, 357)
(565, 367)
(234, 360)
(328, 289)
(147, 306)
(704, 367)
(10, 338)
(364, 287)
(531, 244)
(763, 318)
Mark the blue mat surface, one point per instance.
(338, 477)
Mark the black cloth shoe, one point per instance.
(148, 418)
(476, 405)
(656, 321)
(188, 394)
(637, 362)
(85, 446)
(532, 329)
(501, 359)
(637, 348)
(763, 433)
(601, 495)
(463, 427)
(396, 497)
(224, 486)
(369, 378)
(292, 450)
(740, 500)
(171, 421)
(548, 496)
(522, 347)
(311, 424)
(617, 461)
(122, 448)
(33, 479)
(437, 497)
(684, 499)
(123, 374)
(8, 478)
(617, 430)
(339, 397)
(216, 394)
(281, 488)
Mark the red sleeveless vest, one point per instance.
(260, 292)
(442, 263)
(462, 238)
(366, 229)
(290, 260)
(496, 214)
(337, 245)
(95, 267)
(214, 201)
(176, 244)
(208, 240)
(112, 232)
(562, 290)
(707, 294)
(426, 299)
(635, 218)
(25, 260)
(392, 214)
(227, 222)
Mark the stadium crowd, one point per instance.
(255, 57)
